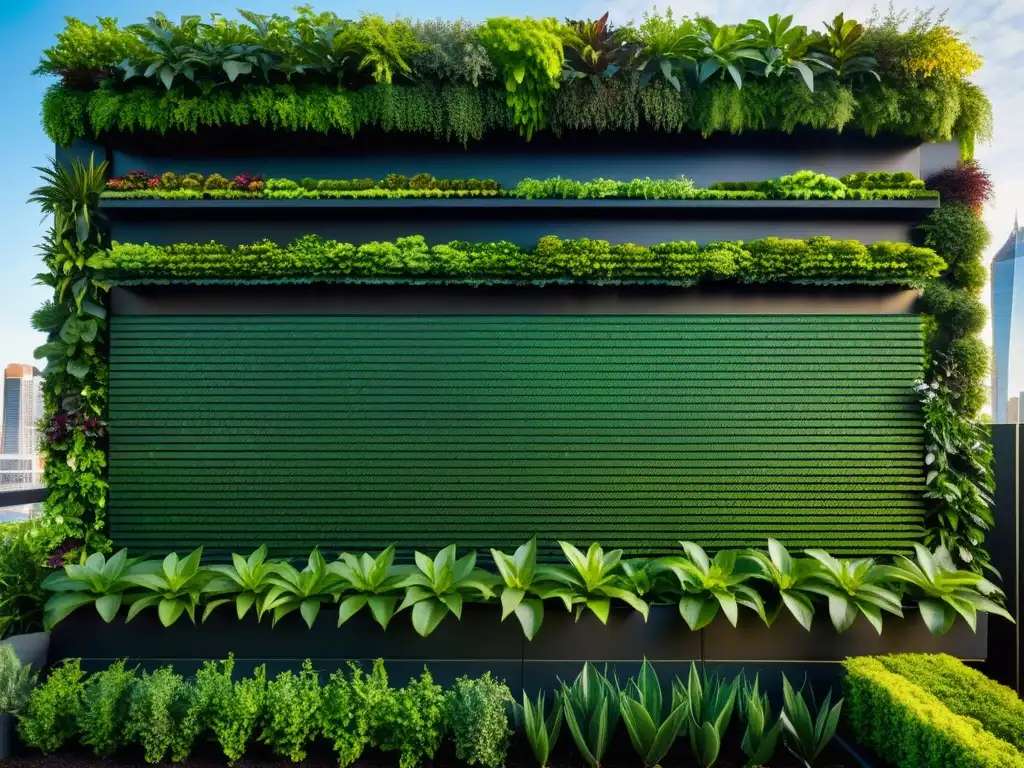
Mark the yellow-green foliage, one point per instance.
(965, 691)
(914, 729)
(529, 53)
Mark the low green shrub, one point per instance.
(818, 259)
(476, 715)
(292, 712)
(912, 728)
(16, 681)
(50, 718)
(103, 718)
(21, 577)
(233, 709)
(410, 721)
(162, 715)
(349, 704)
(964, 691)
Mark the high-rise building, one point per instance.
(22, 409)
(1013, 411)
(1008, 323)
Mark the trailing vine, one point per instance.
(75, 377)
(958, 456)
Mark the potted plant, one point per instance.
(22, 596)
(16, 681)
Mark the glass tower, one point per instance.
(1008, 324)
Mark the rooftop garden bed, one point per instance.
(459, 81)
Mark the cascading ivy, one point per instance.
(75, 377)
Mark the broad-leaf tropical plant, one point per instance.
(845, 49)
(306, 590)
(761, 734)
(246, 582)
(852, 587)
(790, 577)
(709, 584)
(591, 707)
(369, 581)
(540, 726)
(440, 585)
(594, 580)
(806, 733)
(176, 587)
(725, 48)
(787, 48)
(943, 591)
(710, 703)
(519, 571)
(98, 580)
(652, 725)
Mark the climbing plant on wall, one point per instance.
(75, 377)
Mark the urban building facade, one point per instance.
(1007, 285)
(22, 409)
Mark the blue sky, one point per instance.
(997, 27)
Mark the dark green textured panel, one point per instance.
(356, 432)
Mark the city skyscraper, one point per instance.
(22, 409)
(1007, 280)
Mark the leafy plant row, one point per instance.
(803, 185)
(528, 63)
(434, 587)
(905, 721)
(167, 715)
(767, 260)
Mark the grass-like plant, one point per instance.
(653, 721)
(592, 708)
(807, 733)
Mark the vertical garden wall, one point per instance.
(476, 285)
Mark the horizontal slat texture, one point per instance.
(353, 432)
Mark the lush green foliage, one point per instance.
(103, 719)
(761, 731)
(965, 691)
(760, 581)
(541, 727)
(292, 712)
(75, 383)
(710, 702)
(326, 73)
(21, 578)
(817, 260)
(233, 709)
(100, 581)
(476, 716)
(652, 722)
(349, 705)
(912, 727)
(161, 715)
(410, 721)
(591, 709)
(807, 733)
(50, 718)
(16, 681)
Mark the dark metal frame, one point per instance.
(16, 498)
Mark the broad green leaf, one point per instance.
(800, 606)
(427, 614)
(530, 613)
(642, 730)
(510, 598)
(600, 607)
(169, 610)
(350, 606)
(108, 605)
(310, 608)
(706, 744)
(697, 612)
(243, 603)
(59, 605)
(383, 608)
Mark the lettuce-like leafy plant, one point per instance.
(852, 587)
(593, 579)
(709, 584)
(178, 586)
(790, 577)
(943, 591)
(440, 586)
(98, 580)
(519, 573)
(306, 590)
(247, 580)
(375, 582)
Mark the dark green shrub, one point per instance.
(962, 313)
(395, 181)
(231, 709)
(191, 184)
(965, 692)
(956, 233)
(410, 721)
(969, 274)
(292, 712)
(216, 182)
(913, 728)
(170, 180)
(104, 714)
(309, 184)
(161, 715)
(422, 181)
(50, 719)
(970, 357)
(348, 706)
(476, 714)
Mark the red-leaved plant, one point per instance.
(968, 183)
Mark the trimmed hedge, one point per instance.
(912, 728)
(965, 691)
(816, 260)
